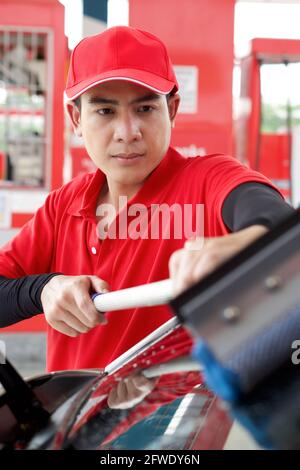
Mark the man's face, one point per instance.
(126, 129)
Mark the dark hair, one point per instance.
(77, 102)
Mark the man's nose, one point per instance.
(127, 129)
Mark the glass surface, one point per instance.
(150, 402)
(23, 90)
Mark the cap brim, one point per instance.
(140, 77)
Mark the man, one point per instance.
(122, 98)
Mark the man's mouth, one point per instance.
(128, 158)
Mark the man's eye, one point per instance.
(145, 108)
(104, 111)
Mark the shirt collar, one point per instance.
(84, 204)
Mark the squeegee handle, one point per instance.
(145, 295)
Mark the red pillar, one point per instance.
(197, 33)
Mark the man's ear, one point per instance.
(173, 104)
(74, 114)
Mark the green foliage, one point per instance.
(275, 117)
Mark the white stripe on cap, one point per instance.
(66, 98)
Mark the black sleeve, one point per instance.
(254, 204)
(21, 298)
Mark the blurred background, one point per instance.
(238, 66)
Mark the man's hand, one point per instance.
(130, 391)
(67, 304)
(201, 256)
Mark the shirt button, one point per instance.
(93, 249)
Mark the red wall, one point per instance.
(197, 33)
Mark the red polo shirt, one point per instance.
(62, 236)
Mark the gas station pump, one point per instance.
(33, 51)
(32, 72)
(269, 131)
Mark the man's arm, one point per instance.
(21, 298)
(254, 204)
(64, 300)
(250, 210)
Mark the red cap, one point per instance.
(120, 53)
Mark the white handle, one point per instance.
(145, 295)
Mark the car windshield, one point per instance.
(155, 400)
